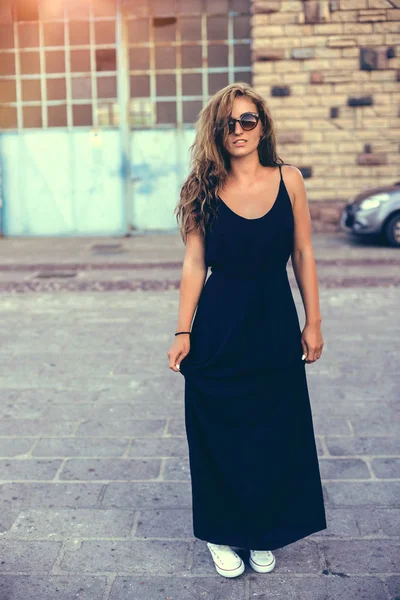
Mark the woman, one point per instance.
(253, 461)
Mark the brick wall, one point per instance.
(330, 72)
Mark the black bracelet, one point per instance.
(179, 332)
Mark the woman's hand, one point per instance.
(312, 342)
(178, 350)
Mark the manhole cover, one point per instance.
(55, 274)
(108, 248)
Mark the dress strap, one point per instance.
(280, 171)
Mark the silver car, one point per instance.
(375, 212)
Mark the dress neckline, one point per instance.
(254, 218)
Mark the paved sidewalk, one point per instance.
(95, 498)
(159, 247)
(154, 261)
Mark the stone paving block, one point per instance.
(36, 427)
(138, 410)
(73, 380)
(139, 360)
(353, 395)
(73, 495)
(159, 446)
(327, 369)
(161, 557)
(8, 514)
(165, 523)
(333, 425)
(324, 494)
(70, 412)
(29, 556)
(336, 401)
(64, 373)
(380, 424)
(359, 493)
(90, 469)
(362, 556)
(389, 521)
(19, 345)
(343, 468)
(176, 468)
(342, 446)
(371, 375)
(393, 584)
(176, 426)
(340, 522)
(319, 446)
(379, 521)
(24, 368)
(178, 588)
(62, 523)
(93, 340)
(358, 522)
(67, 362)
(51, 587)
(148, 495)
(8, 396)
(83, 447)
(153, 390)
(56, 396)
(29, 468)
(386, 468)
(122, 427)
(17, 446)
(322, 587)
(23, 409)
(120, 410)
(70, 382)
(368, 521)
(141, 372)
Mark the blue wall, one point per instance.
(60, 182)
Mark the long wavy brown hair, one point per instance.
(209, 161)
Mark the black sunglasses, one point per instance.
(247, 120)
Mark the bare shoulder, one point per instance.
(294, 182)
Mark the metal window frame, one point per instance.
(179, 71)
(67, 74)
(123, 71)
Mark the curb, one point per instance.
(146, 285)
(125, 266)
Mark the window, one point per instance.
(58, 60)
(182, 52)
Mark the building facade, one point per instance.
(98, 100)
(330, 71)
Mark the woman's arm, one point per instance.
(304, 267)
(194, 273)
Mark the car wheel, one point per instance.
(392, 230)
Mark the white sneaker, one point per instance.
(262, 561)
(226, 561)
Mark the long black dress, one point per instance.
(253, 461)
